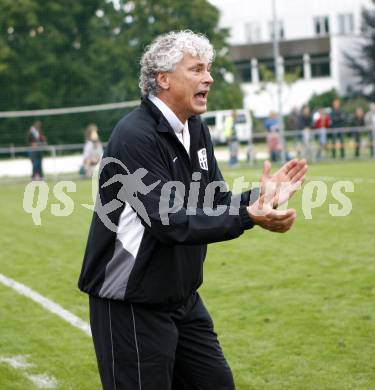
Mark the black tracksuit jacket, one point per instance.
(150, 262)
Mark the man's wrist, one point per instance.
(246, 220)
(253, 214)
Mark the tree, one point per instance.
(363, 63)
(70, 53)
(143, 20)
(46, 63)
(322, 100)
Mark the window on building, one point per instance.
(253, 32)
(321, 25)
(320, 65)
(280, 29)
(294, 65)
(243, 71)
(266, 69)
(345, 23)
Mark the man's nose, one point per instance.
(208, 78)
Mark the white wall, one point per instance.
(343, 75)
(295, 95)
(297, 15)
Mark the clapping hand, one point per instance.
(275, 190)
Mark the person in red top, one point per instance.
(322, 123)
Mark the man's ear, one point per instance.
(163, 80)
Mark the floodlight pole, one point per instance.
(279, 79)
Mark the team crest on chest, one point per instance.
(202, 157)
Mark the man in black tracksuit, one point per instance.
(161, 201)
(338, 121)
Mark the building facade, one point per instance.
(313, 39)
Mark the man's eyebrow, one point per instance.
(199, 65)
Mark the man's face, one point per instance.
(186, 89)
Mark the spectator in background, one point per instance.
(338, 121)
(274, 145)
(293, 125)
(272, 125)
(370, 123)
(357, 121)
(93, 150)
(272, 122)
(293, 120)
(232, 138)
(305, 124)
(36, 139)
(322, 123)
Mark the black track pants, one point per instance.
(141, 348)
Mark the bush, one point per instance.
(322, 100)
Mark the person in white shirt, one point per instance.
(93, 150)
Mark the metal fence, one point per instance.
(316, 145)
(58, 160)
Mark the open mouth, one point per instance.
(201, 97)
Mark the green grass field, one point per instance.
(293, 311)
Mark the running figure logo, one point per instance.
(132, 184)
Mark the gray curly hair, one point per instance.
(166, 51)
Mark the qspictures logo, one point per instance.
(169, 197)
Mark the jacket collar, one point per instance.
(163, 125)
(171, 117)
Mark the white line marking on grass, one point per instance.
(18, 361)
(332, 178)
(47, 304)
(42, 381)
(322, 178)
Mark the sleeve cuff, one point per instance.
(246, 221)
(249, 197)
